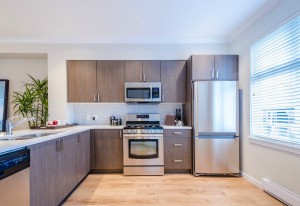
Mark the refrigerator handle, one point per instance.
(195, 109)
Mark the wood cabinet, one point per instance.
(110, 81)
(178, 150)
(142, 71)
(93, 81)
(55, 167)
(173, 80)
(44, 170)
(107, 150)
(214, 67)
(81, 81)
(67, 164)
(83, 155)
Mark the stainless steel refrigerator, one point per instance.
(215, 128)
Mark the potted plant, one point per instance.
(33, 101)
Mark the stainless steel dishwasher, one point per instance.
(14, 178)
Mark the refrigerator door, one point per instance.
(214, 106)
(216, 154)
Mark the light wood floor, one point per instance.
(169, 190)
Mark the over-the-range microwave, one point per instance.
(143, 92)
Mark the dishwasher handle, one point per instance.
(13, 162)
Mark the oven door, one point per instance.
(143, 149)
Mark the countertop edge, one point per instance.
(7, 145)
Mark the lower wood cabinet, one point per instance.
(56, 167)
(83, 155)
(178, 150)
(107, 150)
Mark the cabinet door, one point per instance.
(83, 155)
(178, 153)
(81, 77)
(151, 71)
(107, 152)
(226, 67)
(202, 67)
(173, 80)
(133, 71)
(44, 172)
(68, 165)
(110, 81)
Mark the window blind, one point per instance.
(275, 84)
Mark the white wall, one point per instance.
(281, 167)
(16, 70)
(59, 53)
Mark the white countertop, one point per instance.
(6, 145)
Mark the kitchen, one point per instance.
(54, 58)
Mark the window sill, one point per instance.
(286, 147)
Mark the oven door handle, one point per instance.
(143, 136)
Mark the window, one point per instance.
(275, 85)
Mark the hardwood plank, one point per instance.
(171, 189)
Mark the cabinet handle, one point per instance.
(98, 97)
(178, 145)
(140, 77)
(120, 134)
(177, 160)
(177, 133)
(163, 98)
(217, 74)
(144, 77)
(94, 97)
(61, 145)
(213, 74)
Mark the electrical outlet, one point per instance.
(88, 117)
(95, 117)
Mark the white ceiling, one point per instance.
(127, 21)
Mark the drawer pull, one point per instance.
(177, 133)
(178, 145)
(177, 160)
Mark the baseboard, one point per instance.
(280, 193)
(252, 180)
(277, 191)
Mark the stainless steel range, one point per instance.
(143, 145)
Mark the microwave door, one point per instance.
(138, 94)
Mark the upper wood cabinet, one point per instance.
(110, 81)
(142, 71)
(94, 81)
(173, 80)
(213, 67)
(82, 81)
(107, 150)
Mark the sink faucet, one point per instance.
(10, 126)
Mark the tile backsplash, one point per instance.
(119, 110)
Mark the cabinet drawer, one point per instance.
(181, 160)
(177, 133)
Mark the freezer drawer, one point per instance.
(216, 155)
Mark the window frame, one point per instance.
(279, 144)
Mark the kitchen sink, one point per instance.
(28, 136)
